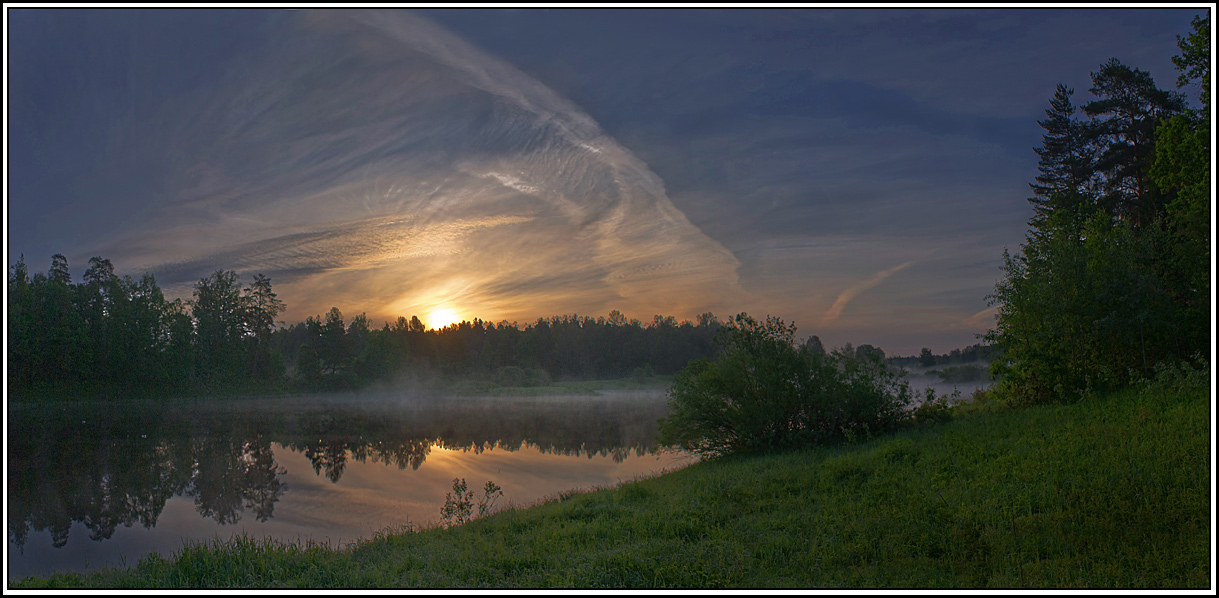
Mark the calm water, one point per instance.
(106, 484)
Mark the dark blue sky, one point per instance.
(859, 171)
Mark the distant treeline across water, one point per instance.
(115, 337)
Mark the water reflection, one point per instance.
(91, 472)
(115, 464)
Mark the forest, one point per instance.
(117, 337)
(1114, 275)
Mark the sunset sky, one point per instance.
(858, 172)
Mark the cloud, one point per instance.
(982, 320)
(845, 297)
(381, 164)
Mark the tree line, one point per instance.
(1114, 274)
(117, 336)
(326, 353)
(111, 336)
(927, 358)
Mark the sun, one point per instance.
(442, 316)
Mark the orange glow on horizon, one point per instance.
(442, 316)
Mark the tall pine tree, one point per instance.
(1067, 181)
(1125, 115)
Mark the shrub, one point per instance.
(459, 504)
(935, 407)
(764, 393)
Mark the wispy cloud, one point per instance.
(419, 172)
(982, 320)
(845, 297)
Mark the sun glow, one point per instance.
(442, 316)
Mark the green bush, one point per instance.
(459, 509)
(764, 393)
(935, 407)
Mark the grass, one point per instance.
(1113, 492)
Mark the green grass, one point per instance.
(1108, 493)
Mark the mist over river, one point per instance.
(105, 484)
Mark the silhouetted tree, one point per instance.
(262, 307)
(1067, 162)
(926, 358)
(220, 315)
(1125, 115)
(1092, 298)
(59, 270)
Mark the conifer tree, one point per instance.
(1125, 115)
(1066, 164)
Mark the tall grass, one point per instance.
(1112, 492)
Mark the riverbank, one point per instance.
(1113, 492)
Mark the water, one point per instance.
(920, 380)
(106, 484)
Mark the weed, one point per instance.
(459, 509)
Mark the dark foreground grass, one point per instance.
(1108, 493)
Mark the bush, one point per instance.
(459, 509)
(764, 393)
(935, 407)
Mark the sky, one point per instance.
(858, 172)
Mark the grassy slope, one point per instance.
(1112, 492)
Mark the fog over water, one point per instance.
(108, 483)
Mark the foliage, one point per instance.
(926, 358)
(935, 408)
(1067, 159)
(486, 355)
(118, 337)
(1194, 61)
(1124, 116)
(1114, 277)
(1113, 493)
(765, 393)
(111, 336)
(262, 306)
(220, 325)
(459, 504)
(963, 355)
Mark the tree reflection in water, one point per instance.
(106, 465)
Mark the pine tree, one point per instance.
(1067, 178)
(59, 269)
(1125, 115)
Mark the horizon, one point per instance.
(855, 172)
